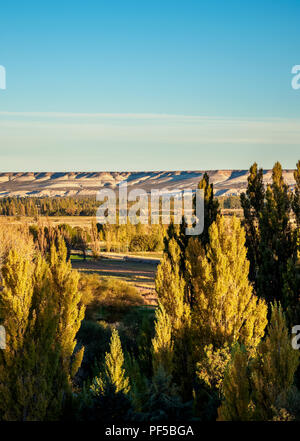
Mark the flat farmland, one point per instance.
(73, 221)
(80, 221)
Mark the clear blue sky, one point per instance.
(139, 85)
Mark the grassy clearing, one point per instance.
(139, 274)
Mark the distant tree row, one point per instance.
(48, 206)
(98, 238)
(70, 206)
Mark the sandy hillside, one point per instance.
(226, 182)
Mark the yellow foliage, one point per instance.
(39, 308)
(226, 310)
(162, 342)
(274, 369)
(67, 298)
(170, 286)
(17, 238)
(211, 369)
(237, 404)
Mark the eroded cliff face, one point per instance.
(226, 182)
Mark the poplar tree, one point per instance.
(226, 309)
(252, 203)
(68, 307)
(138, 383)
(277, 239)
(274, 369)
(177, 233)
(113, 373)
(162, 344)
(15, 303)
(38, 364)
(236, 405)
(212, 367)
(163, 402)
(211, 207)
(271, 238)
(95, 241)
(170, 285)
(291, 291)
(296, 198)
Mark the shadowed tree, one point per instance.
(274, 369)
(211, 207)
(277, 239)
(296, 199)
(252, 203)
(114, 372)
(237, 390)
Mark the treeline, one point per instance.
(70, 206)
(218, 347)
(99, 238)
(132, 238)
(48, 206)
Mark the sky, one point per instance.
(149, 85)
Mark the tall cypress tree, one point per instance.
(274, 368)
(38, 363)
(211, 207)
(178, 234)
(170, 285)
(113, 374)
(296, 199)
(259, 388)
(236, 389)
(15, 303)
(252, 203)
(226, 310)
(162, 344)
(277, 239)
(68, 306)
(271, 238)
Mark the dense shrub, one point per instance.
(143, 242)
(108, 299)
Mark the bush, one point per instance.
(143, 242)
(107, 299)
(139, 242)
(117, 298)
(89, 285)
